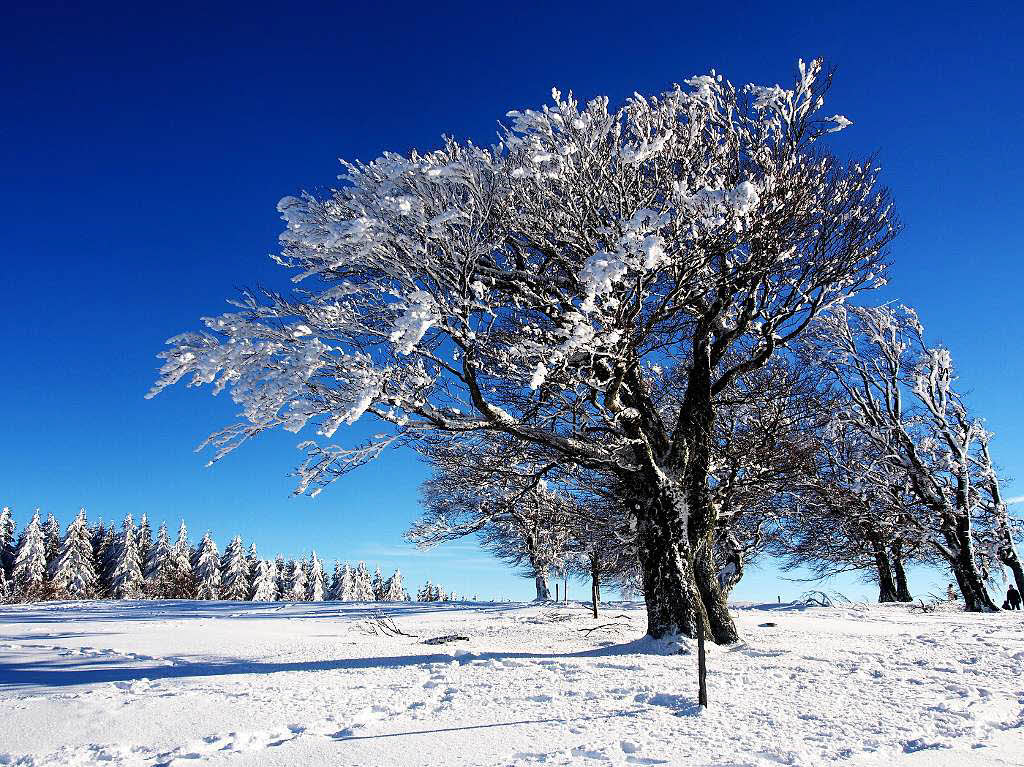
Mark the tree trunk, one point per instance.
(670, 591)
(696, 427)
(543, 592)
(902, 587)
(964, 567)
(886, 584)
(595, 575)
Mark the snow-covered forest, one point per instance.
(637, 343)
(100, 562)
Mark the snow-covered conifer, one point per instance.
(315, 586)
(144, 540)
(51, 538)
(180, 579)
(362, 584)
(394, 589)
(426, 592)
(234, 572)
(159, 567)
(126, 574)
(29, 572)
(265, 586)
(296, 582)
(73, 572)
(283, 570)
(7, 542)
(377, 584)
(206, 569)
(105, 553)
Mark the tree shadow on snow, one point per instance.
(59, 673)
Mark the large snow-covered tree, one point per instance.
(28, 573)
(144, 540)
(73, 572)
(159, 570)
(529, 287)
(234, 568)
(206, 569)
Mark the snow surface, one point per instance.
(188, 683)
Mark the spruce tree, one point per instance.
(234, 572)
(265, 587)
(51, 538)
(106, 553)
(315, 586)
(144, 541)
(252, 561)
(377, 585)
(335, 588)
(206, 569)
(296, 582)
(426, 592)
(182, 583)
(394, 589)
(7, 544)
(283, 570)
(363, 586)
(158, 572)
(29, 572)
(73, 571)
(126, 574)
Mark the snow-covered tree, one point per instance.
(144, 540)
(73, 572)
(343, 587)
(126, 571)
(265, 583)
(394, 588)
(283, 570)
(315, 586)
(51, 538)
(362, 584)
(105, 553)
(7, 540)
(206, 569)
(528, 288)
(28, 575)
(297, 582)
(902, 399)
(377, 584)
(235, 583)
(159, 571)
(426, 592)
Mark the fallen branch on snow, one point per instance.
(446, 638)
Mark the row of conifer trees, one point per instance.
(101, 562)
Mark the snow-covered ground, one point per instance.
(185, 683)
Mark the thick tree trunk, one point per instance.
(902, 587)
(965, 569)
(543, 592)
(666, 567)
(692, 452)
(595, 579)
(886, 584)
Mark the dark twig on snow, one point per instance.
(446, 638)
(604, 626)
(382, 624)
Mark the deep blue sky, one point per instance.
(143, 149)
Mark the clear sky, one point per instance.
(143, 148)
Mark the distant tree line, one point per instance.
(100, 562)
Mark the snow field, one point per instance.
(189, 683)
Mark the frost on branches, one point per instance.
(528, 288)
